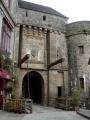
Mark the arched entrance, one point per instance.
(33, 86)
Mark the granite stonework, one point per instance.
(34, 42)
(35, 18)
(47, 38)
(78, 34)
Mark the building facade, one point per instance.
(6, 43)
(40, 32)
(58, 51)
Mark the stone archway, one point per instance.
(33, 87)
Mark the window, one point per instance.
(44, 18)
(82, 83)
(57, 53)
(26, 14)
(59, 91)
(6, 36)
(81, 49)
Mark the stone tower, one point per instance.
(78, 40)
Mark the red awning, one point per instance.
(4, 74)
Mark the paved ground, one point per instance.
(48, 113)
(84, 113)
(42, 113)
(42, 109)
(54, 116)
(10, 116)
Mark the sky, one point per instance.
(75, 10)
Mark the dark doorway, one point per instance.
(59, 91)
(33, 86)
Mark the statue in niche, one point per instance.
(34, 52)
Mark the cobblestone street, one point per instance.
(42, 113)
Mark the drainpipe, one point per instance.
(48, 62)
(20, 42)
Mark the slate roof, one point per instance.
(39, 8)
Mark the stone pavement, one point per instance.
(10, 116)
(49, 113)
(42, 113)
(44, 109)
(84, 113)
(54, 116)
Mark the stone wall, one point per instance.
(58, 49)
(35, 42)
(78, 34)
(35, 18)
(55, 80)
(21, 74)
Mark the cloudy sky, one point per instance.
(76, 10)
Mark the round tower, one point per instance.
(78, 42)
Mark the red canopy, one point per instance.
(4, 74)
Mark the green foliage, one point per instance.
(2, 56)
(15, 86)
(7, 63)
(76, 96)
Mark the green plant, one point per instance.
(8, 63)
(76, 97)
(2, 56)
(15, 85)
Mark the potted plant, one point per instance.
(76, 98)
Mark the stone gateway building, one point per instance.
(40, 31)
(45, 35)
